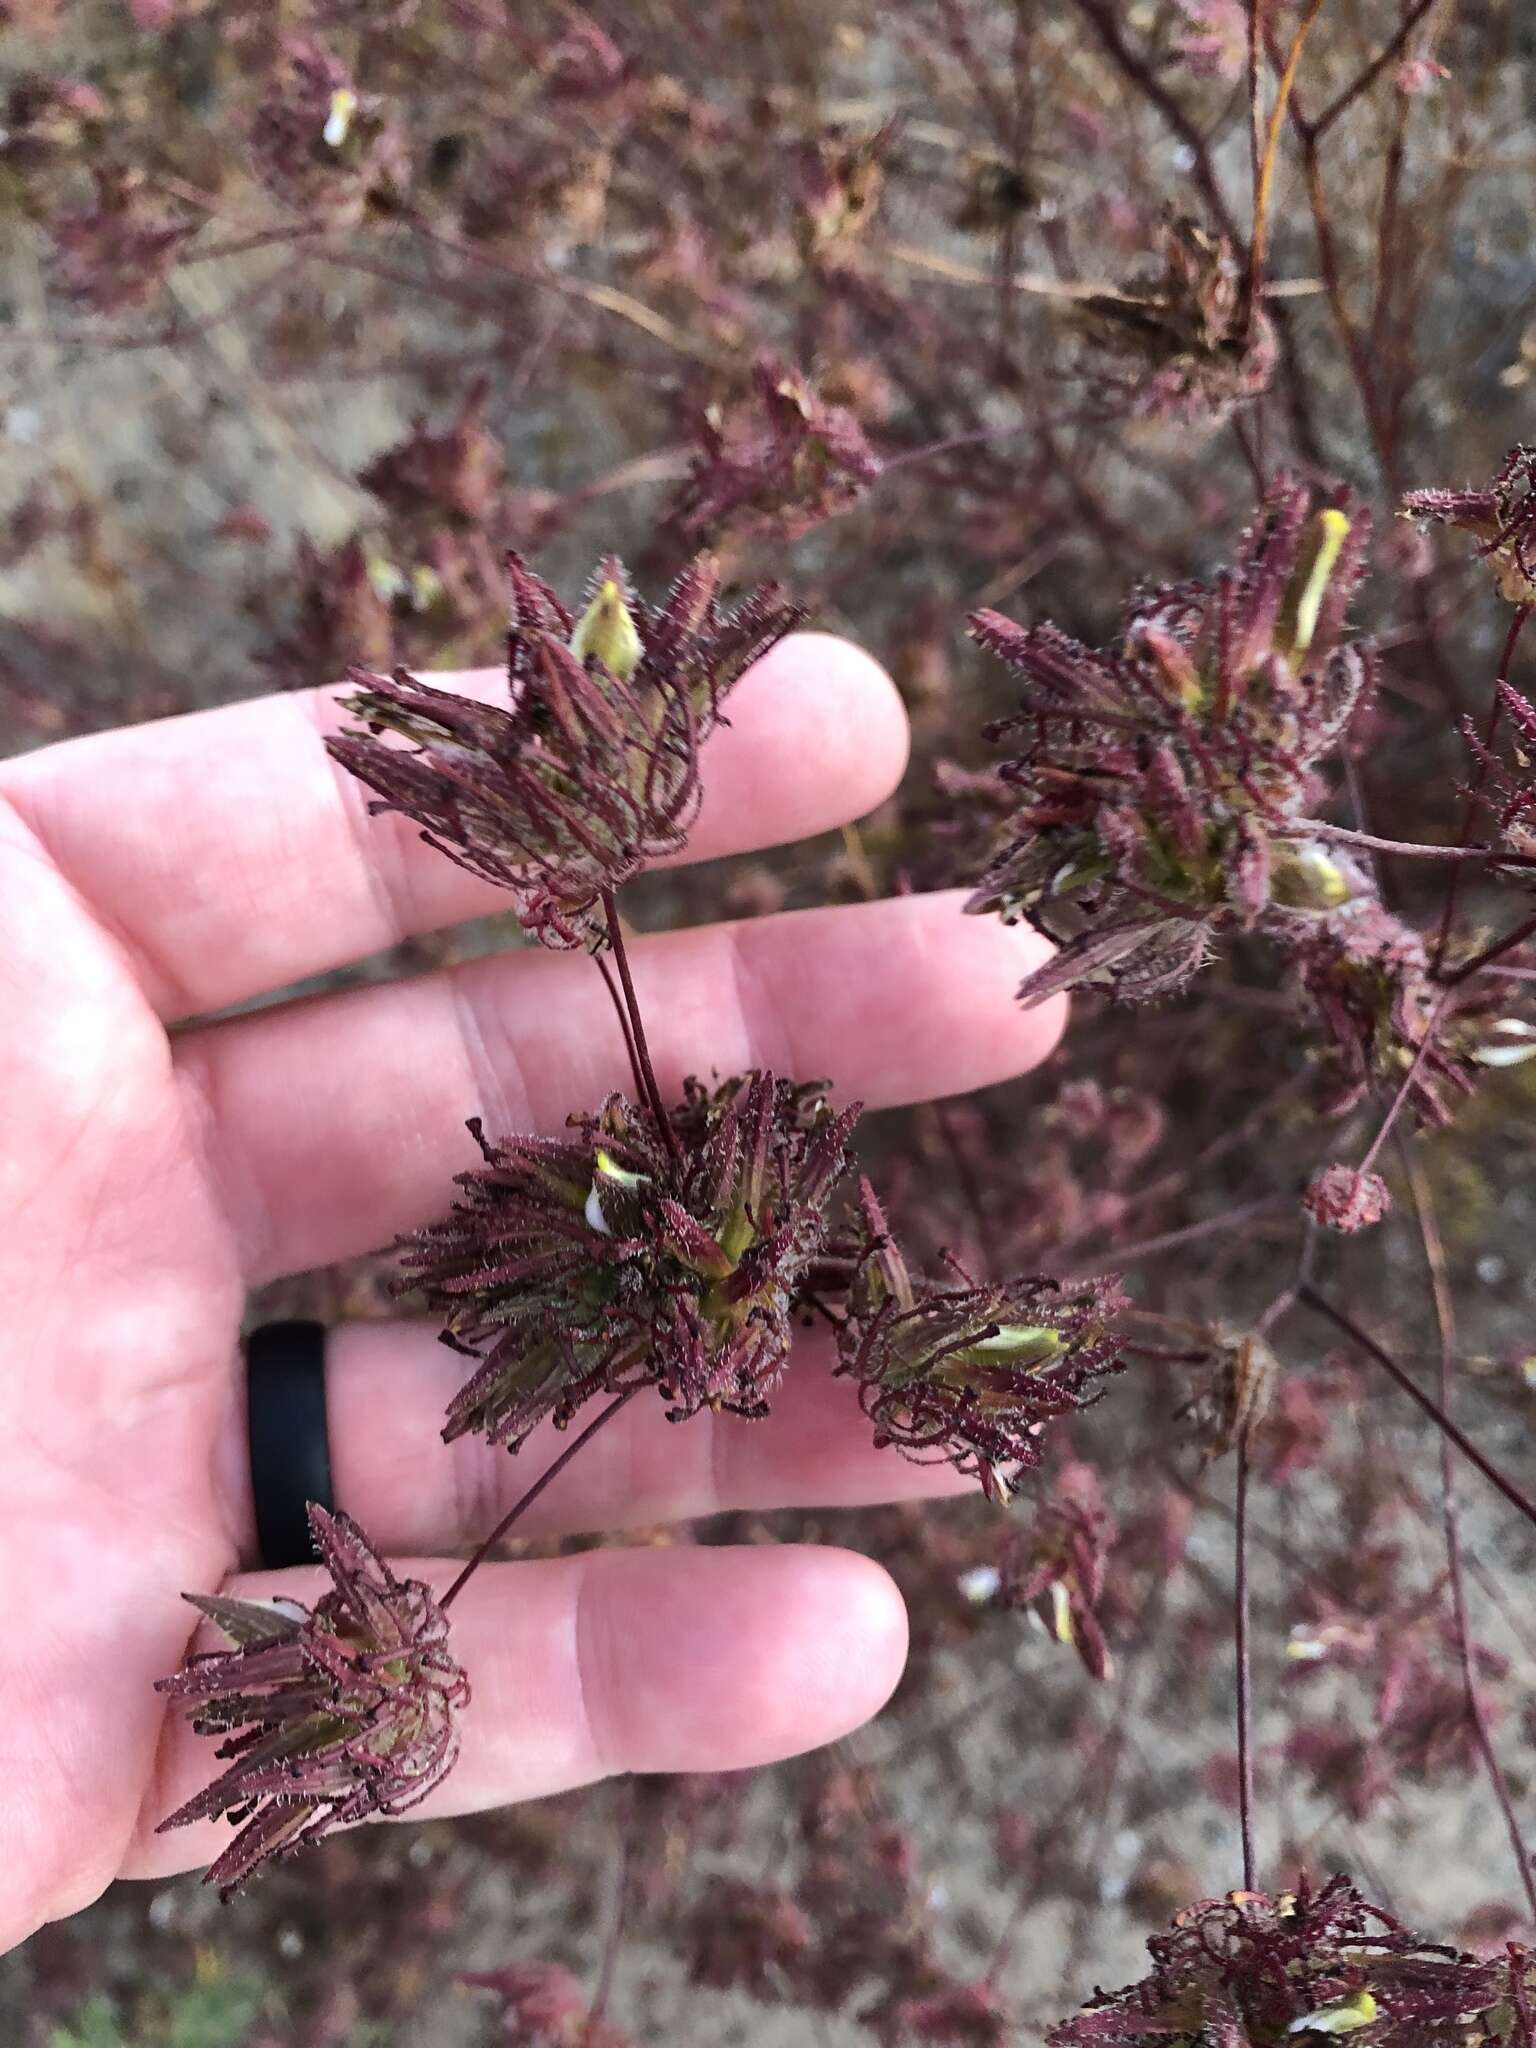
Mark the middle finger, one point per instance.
(333, 1125)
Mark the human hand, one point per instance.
(154, 1167)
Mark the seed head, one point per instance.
(1501, 516)
(329, 1715)
(970, 1374)
(1163, 785)
(594, 769)
(1184, 344)
(1056, 1566)
(576, 1266)
(778, 465)
(1341, 1198)
(1259, 1970)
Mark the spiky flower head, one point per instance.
(594, 768)
(966, 1374)
(1163, 784)
(1508, 791)
(1501, 516)
(329, 1714)
(320, 145)
(1186, 344)
(1270, 1972)
(576, 1266)
(779, 464)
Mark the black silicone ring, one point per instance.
(290, 1445)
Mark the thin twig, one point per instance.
(615, 1937)
(516, 1511)
(1410, 849)
(1445, 1318)
(1415, 1392)
(623, 1016)
(1240, 1619)
(648, 1087)
(1266, 178)
(1368, 77)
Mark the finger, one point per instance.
(231, 856)
(388, 1386)
(333, 1125)
(620, 1660)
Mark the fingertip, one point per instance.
(746, 1657)
(816, 735)
(1000, 957)
(928, 996)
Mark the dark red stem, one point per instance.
(642, 1051)
(1240, 1632)
(520, 1507)
(1415, 1392)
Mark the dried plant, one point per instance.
(328, 1715)
(1164, 785)
(593, 768)
(633, 1254)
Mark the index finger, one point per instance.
(232, 857)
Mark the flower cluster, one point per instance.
(779, 466)
(1185, 345)
(965, 1373)
(1501, 516)
(1365, 976)
(1250, 1968)
(329, 1715)
(573, 1267)
(1163, 784)
(594, 768)
(1512, 797)
(453, 472)
(1236, 1378)
(318, 144)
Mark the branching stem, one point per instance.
(636, 1038)
(1415, 1392)
(526, 1501)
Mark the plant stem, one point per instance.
(1415, 1392)
(623, 1016)
(1411, 849)
(642, 1051)
(1240, 1632)
(1266, 177)
(1469, 808)
(520, 1507)
(1489, 954)
(1445, 1317)
(620, 1911)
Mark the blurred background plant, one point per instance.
(307, 312)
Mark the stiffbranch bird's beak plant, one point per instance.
(670, 1246)
(1161, 793)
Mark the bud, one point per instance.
(967, 1374)
(606, 630)
(1340, 1198)
(1321, 545)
